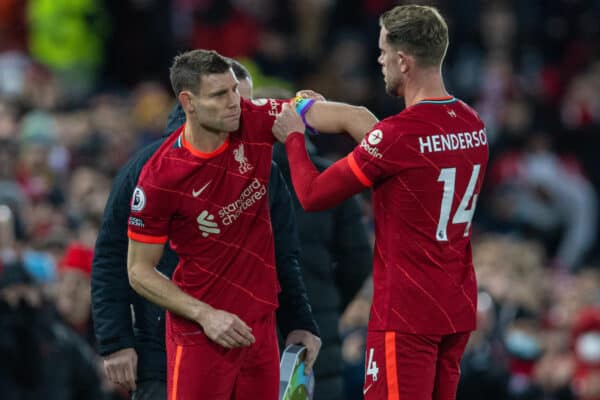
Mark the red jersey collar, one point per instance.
(437, 100)
(200, 154)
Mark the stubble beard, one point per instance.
(393, 87)
(217, 127)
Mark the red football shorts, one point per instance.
(206, 370)
(402, 366)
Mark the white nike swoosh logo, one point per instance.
(367, 389)
(196, 193)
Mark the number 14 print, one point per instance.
(462, 214)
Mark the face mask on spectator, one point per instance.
(588, 347)
(522, 345)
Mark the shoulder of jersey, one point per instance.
(157, 162)
(469, 110)
(256, 104)
(392, 125)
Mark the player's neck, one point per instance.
(202, 139)
(426, 85)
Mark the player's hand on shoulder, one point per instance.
(226, 329)
(121, 367)
(287, 121)
(312, 343)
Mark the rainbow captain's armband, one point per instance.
(302, 106)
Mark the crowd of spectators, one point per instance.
(84, 84)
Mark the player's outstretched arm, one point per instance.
(333, 117)
(222, 327)
(316, 191)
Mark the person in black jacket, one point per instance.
(139, 354)
(336, 260)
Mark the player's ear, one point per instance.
(404, 61)
(185, 99)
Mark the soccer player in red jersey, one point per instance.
(205, 190)
(425, 166)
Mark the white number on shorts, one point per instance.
(462, 215)
(372, 365)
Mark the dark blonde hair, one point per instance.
(189, 67)
(419, 30)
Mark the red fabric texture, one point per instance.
(207, 370)
(416, 367)
(319, 191)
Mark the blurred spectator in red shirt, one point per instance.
(73, 299)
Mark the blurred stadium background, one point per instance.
(84, 84)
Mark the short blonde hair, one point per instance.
(419, 30)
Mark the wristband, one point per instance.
(302, 106)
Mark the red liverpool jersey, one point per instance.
(214, 209)
(426, 165)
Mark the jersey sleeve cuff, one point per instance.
(358, 172)
(107, 346)
(138, 237)
(294, 134)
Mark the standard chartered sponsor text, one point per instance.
(254, 192)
